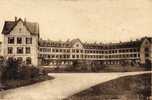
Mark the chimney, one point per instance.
(15, 18)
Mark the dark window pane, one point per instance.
(28, 50)
(19, 40)
(28, 60)
(28, 40)
(20, 50)
(11, 40)
(10, 50)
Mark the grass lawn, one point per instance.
(128, 88)
(9, 84)
(98, 69)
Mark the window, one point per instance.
(102, 52)
(49, 56)
(135, 50)
(60, 56)
(57, 56)
(146, 55)
(64, 50)
(73, 56)
(77, 56)
(53, 56)
(28, 60)
(53, 50)
(135, 55)
(19, 40)
(106, 52)
(146, 49)
(77, 51)
(68, 51)
(20, 30)
(41, 49)
(127, 50)
(68, 56)
(20, 50)
(11, 40)
(28, 50)
(138, 55)
(57, 50)
(131, 50)
(77, 45)
(64, 56)
(10, 50)
(28, 40)
(19, 59)
(110, 51)
(73, 50)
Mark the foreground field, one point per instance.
(137, 87)
(63, 86)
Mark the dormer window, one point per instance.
(10, 40)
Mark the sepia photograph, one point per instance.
(76, 50)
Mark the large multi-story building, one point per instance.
(21, 40)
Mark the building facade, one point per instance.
(138, 51)
(21, 40)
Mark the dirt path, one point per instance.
(64, 85)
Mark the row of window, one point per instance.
(54, 56)
(54, 50)
(106, 56)
(19, 40)
(28, 59)
(88, 51)
(19, 50)
(90, 56)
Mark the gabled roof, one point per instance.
(33, 28)
(72, 42)
(148, 38)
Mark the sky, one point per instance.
(88, 20)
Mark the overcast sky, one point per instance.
(89, 20)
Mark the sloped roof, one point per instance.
(130, 44)
(49, 43)
(74, 41)
(148, 38)
(33, 28)
(8, 26)
(65, 44)
(69, 44)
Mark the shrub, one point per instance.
(12, 69)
